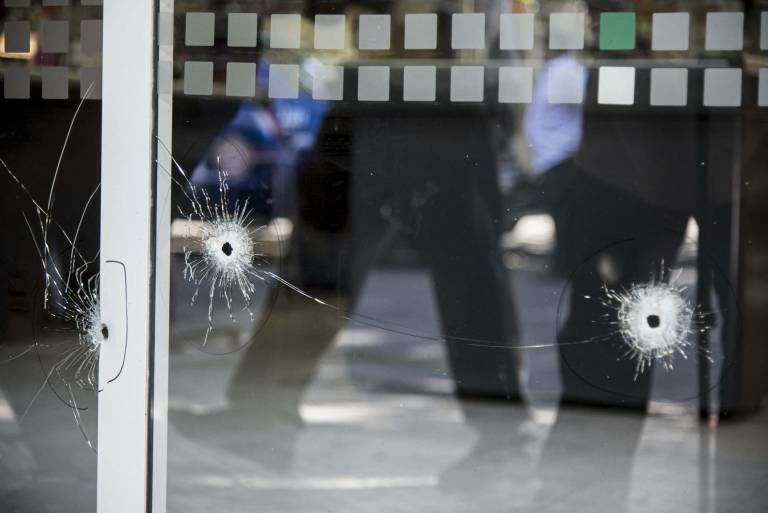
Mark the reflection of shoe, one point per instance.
(501, 467)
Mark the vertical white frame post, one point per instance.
(163, 185)
(127, 429)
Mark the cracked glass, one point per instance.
(509, 257)
(483, 278)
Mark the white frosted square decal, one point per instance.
(242, 29)
(468, 31)
(90, 36)
(516, 31)
(90, 82)
(328, 83)
(420, 31)
(616, 85)
(565, 84)
(764, 30)
(670, 31)
(199, 29)
(722, 87)
(16, 83)
(373, 83)
(330, 31)
(374, 32)
(725, 31)
(241, 79)
(566, 31)
(515, 84)
(285, 31)
(55, 83)
(419, 83)
(198, 78)
(669, 87)
(283, 81)
(54, 36)
(16, 36)
(467, 83)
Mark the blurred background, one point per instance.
(462, 182)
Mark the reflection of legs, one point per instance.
(621, 242)
(556, 187)
(475, 302)
(452, 195)
(282, 359)
(587, 461)
(459, 238)
(737, 393)
(268, 384)
(591, 373)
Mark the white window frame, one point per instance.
(135, 229)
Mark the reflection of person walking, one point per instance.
(553, 129)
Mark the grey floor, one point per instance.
(367, 421)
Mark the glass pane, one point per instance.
(50, 58)
(466, 256)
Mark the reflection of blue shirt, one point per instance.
(261, 147)
(553, 130)
(300, 118)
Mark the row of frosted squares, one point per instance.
(55, 82)
(468, 31)
(52, 3)
(669, 86)
(724, 31)
(670, 31)
(54, 36)
(564, 84)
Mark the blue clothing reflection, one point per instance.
(261, 149)
(554, 130)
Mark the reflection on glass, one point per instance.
(449, 256)
(50, 328)
(478, 222)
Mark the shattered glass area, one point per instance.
(222, 258)
(497, 287)
(69, 296)
(485, 301)
(656, 321)
(51, 328)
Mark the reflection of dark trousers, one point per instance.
(617, 239)
(616, 235)
(555, 187)
(410, 178)
(444, 196)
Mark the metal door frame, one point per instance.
(135, 226)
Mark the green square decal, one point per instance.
(617, 31)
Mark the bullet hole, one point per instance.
(227, 249)
(638, 318)
(104, 332)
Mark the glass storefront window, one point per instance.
(420, 255)
(50, 118)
